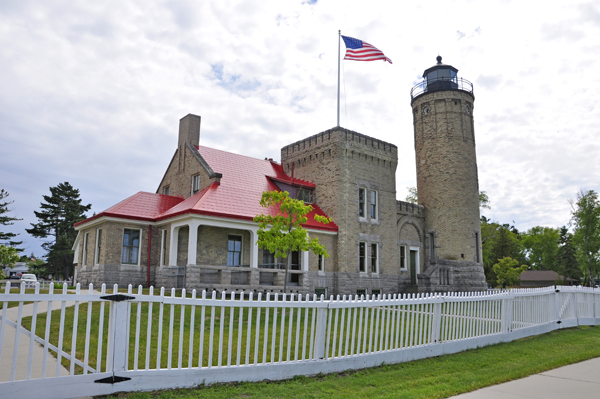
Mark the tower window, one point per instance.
(374, 258)
(362, 194)
(373, 195)
(431, 246)
(362, 257)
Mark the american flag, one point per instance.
(357, 50)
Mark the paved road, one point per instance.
(579, 380)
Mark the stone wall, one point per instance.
(447, 183)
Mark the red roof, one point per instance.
(237, 196)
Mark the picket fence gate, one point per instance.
(133, 341)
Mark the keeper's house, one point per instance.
(197, 231)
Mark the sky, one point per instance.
(91, 92)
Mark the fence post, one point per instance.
(437, 321)
(506, 315)
(321, 333)
(557, 305)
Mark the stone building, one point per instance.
(197, 231)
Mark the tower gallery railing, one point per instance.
(83, 343)
(439, 84)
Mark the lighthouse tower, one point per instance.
(447, 183)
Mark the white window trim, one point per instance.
(163, 240)
(195, 177)
(376, 204)
(85, 249)
(139, 257)
(241, 248)
(97, 250)
(364, 204)
(406, 255)
(364, 262)
(321, 259)
(371, 258)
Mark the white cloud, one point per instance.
(92, 92)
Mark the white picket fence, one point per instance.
(131, 342)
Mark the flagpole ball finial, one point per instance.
(439, 59)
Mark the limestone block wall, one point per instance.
(178, 176)
(341, 162)
(110, 270)
(447, 180)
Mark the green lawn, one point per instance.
(439, 377)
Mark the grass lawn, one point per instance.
(439, 377)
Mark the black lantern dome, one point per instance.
(440, 77)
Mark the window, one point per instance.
(321, 291)
(374, 257)
(305, 195)
(268, 258)
(85, 247)
(376, 291)
(167, 190)
(477, 256)
(163, 248)
(98, 246)
(361, 292)
(432, 246)
(373, 198)
(402, 257)
(131, 246)
(234, 251)
(362, 193)
(321, 263)
(362, 257)
(195, 184)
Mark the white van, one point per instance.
(29, 280)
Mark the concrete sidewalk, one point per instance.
(579, 380)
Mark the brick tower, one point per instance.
(447, 182)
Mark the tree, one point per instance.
(282, 233)
(5, 220)
(586, 236)
(566, 260)
(508, 271)
(498, 241)
(8, 257)
(58, 213)
(413, 198)
(541, 247)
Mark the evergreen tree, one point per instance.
(58, 213)
(566, 261)
(5, 220)
(586, 236)
(499, 241)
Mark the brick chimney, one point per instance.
(189, 130)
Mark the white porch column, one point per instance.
(254, 247)
(173, 245)
(192, 242)
(304, 261)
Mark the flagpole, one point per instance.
(338, 98)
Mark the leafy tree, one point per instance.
(282, 233)
(413, 198)
(566, 260)
(586, 236)
(508, 271)
(498, 241)
(5, 220)
(58, 213)
(8, 256)
(541, 247)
